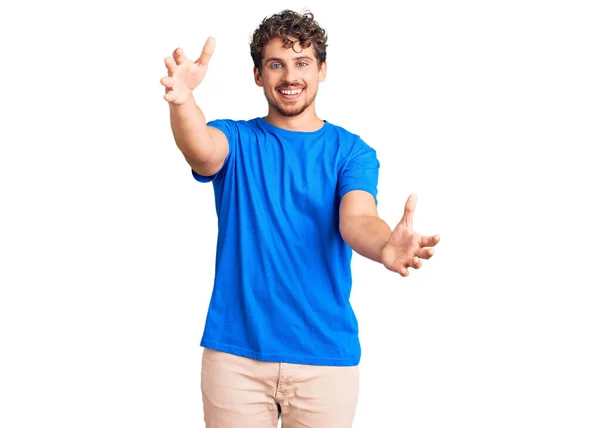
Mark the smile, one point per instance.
(290, 94)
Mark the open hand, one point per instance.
(405, 247)
(185, 75)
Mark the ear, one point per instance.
(257, 77)
(323, 72)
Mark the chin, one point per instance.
(288, 110)
(291, 109)
(291, 112)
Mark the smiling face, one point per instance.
(290, 77)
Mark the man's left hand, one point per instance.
(405, 247)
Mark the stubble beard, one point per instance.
(289, 111)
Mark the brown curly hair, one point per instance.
(288, 23)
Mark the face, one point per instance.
(290, 77)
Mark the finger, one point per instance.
(207, 52)
(425, 253)
(167, 82)
(179, 56)
(403, 271)
(415, 263)
(170, 96)
(429, 241)
(409, 209)
(171, 65)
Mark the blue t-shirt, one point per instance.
(282, 276)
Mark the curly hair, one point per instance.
(285, 24)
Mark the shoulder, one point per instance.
(343, 132)
(350, 141)
(232, 123)
(235, 129)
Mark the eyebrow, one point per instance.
(304, 57)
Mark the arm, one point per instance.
(363, 230)
(204, 148)
(360, 225)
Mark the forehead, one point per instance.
(275, 49)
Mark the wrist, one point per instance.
(186, 103)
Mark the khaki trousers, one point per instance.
(239, 392)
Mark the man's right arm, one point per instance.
(205, 148)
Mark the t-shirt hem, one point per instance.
(316, 361)
(364, 188)
(202, 178)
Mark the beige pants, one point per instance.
(239, 392)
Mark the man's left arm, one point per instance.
(360, 225)
(368, 235)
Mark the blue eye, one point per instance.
(275, 65)
(302, 64)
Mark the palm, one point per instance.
(189, 74)
(184, 74)
(406, 248)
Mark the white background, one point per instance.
(488, 111)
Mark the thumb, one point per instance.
(409, 209)
(207, 52)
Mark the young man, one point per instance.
(294, 196)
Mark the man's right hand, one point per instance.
(185, 75)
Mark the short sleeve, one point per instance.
(360, 172)
(229, 128)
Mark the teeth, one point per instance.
(294, 92)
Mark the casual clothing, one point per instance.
(282, 275)
(241, 392)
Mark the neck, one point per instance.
(307, 121)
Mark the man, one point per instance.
(294, 196)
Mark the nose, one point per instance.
(290, 75)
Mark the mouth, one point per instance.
(290, 94)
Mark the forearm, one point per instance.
(367, 235)
(191, 132)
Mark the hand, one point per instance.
(185, 75)
(405, 247)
